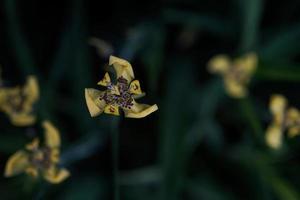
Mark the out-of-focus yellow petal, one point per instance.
(31, 89)
(32, 171)
(122, 67)
(140, 110)
(219, 64)
(112, 109)
(105, 81)
(235, 89)
(274, 136)
(249, 62)
(292, 115)
(94, 104)
(135, 87)
(21, 118)
(278, 105)
(294, 131)
(33, 145)
(3, 94)
(16, 164)
(292, 121)
(55, 175)
(52, 137)
(54, 157)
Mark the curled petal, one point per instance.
(33, 145)
(135, 87)
(52, 137)
(94, 104)
(140, 110)
(122, 67)
(274, 136)
(31, 90)
(235, 89)
(55, 175)
(219, 64)
(278, 104)
(21, 118)
(32, 171)
(16, 164)
(138, 96)
(105, 81)
(112, 109)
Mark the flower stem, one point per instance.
(115, 159)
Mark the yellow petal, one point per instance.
(235, 89)
(294, 131)
(135, 87)
(277, 106)
(21, 118)
(16, 164)
(54, 155)
(31, 89)
(105, 81)
(140, 110)
(32, 171)
(293, 115)
(112, 109)
(55, 176)
(122, 67)
(249, 62)
(33, 145)
(94, 104)
(52, 137)
(219, 64)
(274, 136)
(138, 96)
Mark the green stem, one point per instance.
(115, 159)
(251, 117)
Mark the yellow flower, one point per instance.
(17, 102)
(120, 94)
(39, 160)
(236, 73)
(284, 119)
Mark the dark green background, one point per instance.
(200, 144)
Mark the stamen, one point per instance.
(124, 99)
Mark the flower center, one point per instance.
(118, 94)
(15, 100)
(41, 158)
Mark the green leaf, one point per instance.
(283, 45)
(251, 12)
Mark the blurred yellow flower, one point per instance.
(284, 119)
(17, 102)
(236, 73)
(39, 160)
(119, 94)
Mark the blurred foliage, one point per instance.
(200, 144)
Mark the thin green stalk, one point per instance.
(115, 159)
(251, 117)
